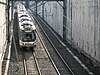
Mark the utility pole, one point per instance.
(71, 20)
(64, 19)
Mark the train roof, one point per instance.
(23, 14)
(24, 18)
(27, 24)
(21, 7)
(21, 10)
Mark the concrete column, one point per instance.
(71, 20)
(27, 4)
(12, 9)
(36, 7)
(8, 8)
(64, 19)
(42, 10)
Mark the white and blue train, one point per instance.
(26, 29)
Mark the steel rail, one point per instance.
(24, 64)
(37, 65)
(45, 49)
(48, 54)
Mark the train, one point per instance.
(26, 28)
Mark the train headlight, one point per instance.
(21, 43)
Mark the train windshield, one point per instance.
(28, 36)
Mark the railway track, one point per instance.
(46, 64)
(55, 63)
(71, 61)
(26, 59)
(54, 54)
(28, 64)
(35, 63)
(38, 62)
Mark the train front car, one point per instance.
(26, 29)
(27, 36)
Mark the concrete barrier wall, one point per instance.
(3, 23)
(54, 16)
(83, 19)
(85, 26)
